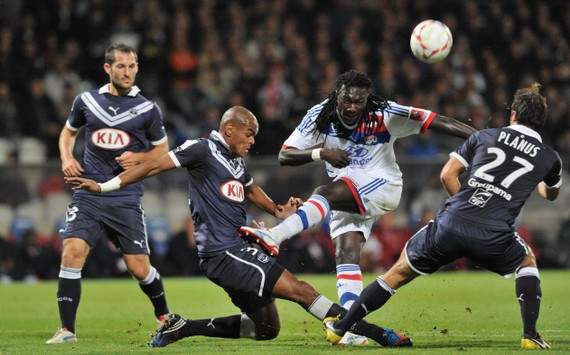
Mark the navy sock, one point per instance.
(153, 288)
(68, 295)
(372, 297)
(223, 327)
(529, 294)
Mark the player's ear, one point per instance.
(107, 68)
(228, 130)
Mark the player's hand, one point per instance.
(78, 183)
(336, 157)
(284, 211)
(71, 167)
(258, 224)
(128, 160)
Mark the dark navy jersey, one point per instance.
(217, 183)
(503, 167)
(114, 125)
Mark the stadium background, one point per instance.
(277, 58)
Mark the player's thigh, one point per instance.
(82, 221)
(126, 228)
(501, 252)
(245, 269)
(375, 195)
(432, 247)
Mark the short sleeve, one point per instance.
(306, 135)
(465, 152)
(403, 121)
(76, 118)
(155, 126)
(553, 178)
(189, 153)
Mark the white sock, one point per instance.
(310, 213)
(348, 283)
(320, 307)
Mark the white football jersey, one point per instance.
(369, 145)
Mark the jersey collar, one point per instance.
(133, 92)
(526, 130)
(215, 135)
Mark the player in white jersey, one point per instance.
(354, 132)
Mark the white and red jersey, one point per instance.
(371, 144)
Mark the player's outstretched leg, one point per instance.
(290, 288)
(73, 257)
(261, 324)
(310, 213)
(528, 294)
(150, 283)
(372, 297)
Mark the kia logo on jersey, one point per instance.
(110, 138)
(233, 190)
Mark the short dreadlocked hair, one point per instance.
(351, 78)
(530, 106)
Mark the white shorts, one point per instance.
(374, 195)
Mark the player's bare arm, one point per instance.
(129, 159)
(546, 192)
(450, 176)
(69, 165)
(451, 126)
(258, 197)
(293, 156)
(127, 177)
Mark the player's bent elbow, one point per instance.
(283, 158)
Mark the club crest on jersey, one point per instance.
(480, 198)
(233, 190)
(110, 138)
(371, 139)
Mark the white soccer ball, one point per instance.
(431, 41)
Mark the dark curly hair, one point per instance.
(530, 106)
(351, 78)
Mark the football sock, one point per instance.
(348, 283)
(528, 290)
(323, 308)
(310, 213)
(223, 327)
(153, 288)
(373, 297)
(68, 295)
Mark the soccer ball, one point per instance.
(431, 41)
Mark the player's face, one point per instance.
(243, 137)
(351, 102)
(123, 71)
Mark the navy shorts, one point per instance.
(450, 237)
(246, 273)
(90, 217)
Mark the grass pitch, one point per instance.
(466, 312)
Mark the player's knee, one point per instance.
(268, 331)
(529, 261)
(347, 255)
(73, 254)
(323, 190)
(139, 272)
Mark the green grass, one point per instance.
(467, 312)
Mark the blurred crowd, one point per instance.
(278, 58)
